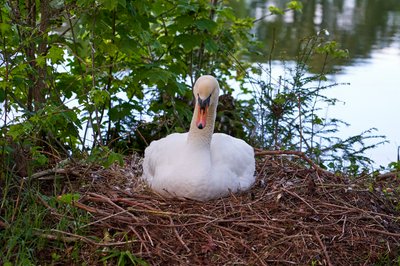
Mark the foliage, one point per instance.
(292, 5)
(26, 222)
(124, 258)
(82, 75)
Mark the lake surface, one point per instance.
(370, 31)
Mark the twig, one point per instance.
(108, 200)
(343, 227)
(248, 248)
(328, 260)
(70, 237)
(141, 136)
(140, 238)
(353, 208)
(382, 232)
(178, 236)
(148, 236)
(66, 239)
(300, 198)
(104, 218)
(53, 171)
(297, 153)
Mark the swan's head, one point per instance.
(206, 92)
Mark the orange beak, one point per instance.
(203, 110)
(202, 117)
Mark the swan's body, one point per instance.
(199, 164)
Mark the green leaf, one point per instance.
(120, 111)
(109, 4)
(99, 97)
(19, 130)
(275, 10)
(317, 121)
(69, 198)
(227, 13)
(206, 24)
(295, 5)
(39, 158)
(188, 41)
(211, 45)
(182, 88)
(114, 157)
(55, 54)
(41, 61)
(4, 28)
(183, 21)
(122, 3)
(156, 75)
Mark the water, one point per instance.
(370, 30)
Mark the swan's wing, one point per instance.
(157, 155)
(233, 156)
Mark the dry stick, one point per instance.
(141, 136)
(167, 214)
(343, 227)
(88, 208)
(382, 232)
(67, 239)
(74, 237)
(280, 262)
(142, 243)
(352, 208)
(285, 238)
(109, 201)
(82, 206)
(132, 203)
(53, 171)
(300, 198)
(323, 248)
(47, 172)
(238, 240)
(297, 153)
(178, 236)
(104, 218)
(148, 236)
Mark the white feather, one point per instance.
(199, 165)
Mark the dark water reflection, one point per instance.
(358, 25)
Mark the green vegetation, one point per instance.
(289, 110)
(91, 81)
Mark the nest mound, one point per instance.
(293, 215)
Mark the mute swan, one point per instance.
(200, 165)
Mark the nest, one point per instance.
(293, 215)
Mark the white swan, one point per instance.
(200, 165)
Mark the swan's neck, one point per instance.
(202, 137)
